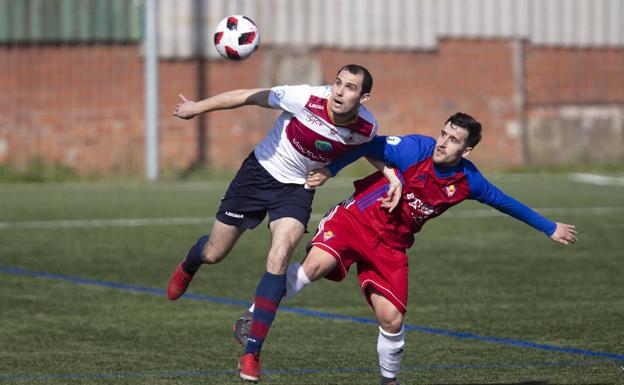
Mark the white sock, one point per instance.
(390, 350)
(296, 280)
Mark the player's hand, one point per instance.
(565, 234)
(393, 196)
(186, 109)
(318, 177)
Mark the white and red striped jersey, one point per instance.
(304, 136)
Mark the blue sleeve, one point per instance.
(374, 149)
(485, 192)
(397, 151)
(403, 151)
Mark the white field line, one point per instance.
(122, 222)
(600, 180)
(138, 222)
(221, 185)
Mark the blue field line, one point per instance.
(313, 313)
(291, 371)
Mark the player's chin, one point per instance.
(336, 110)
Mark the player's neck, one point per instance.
(446, 167)
(343, 119)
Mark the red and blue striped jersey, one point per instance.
(428, 190)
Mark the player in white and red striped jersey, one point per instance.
(305, 136)
(317, 126)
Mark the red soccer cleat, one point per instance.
(178, 283)
(249, 367)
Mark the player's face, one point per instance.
(451, 145)
(347, 95)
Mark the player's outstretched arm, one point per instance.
(188, 109)
(565, 234)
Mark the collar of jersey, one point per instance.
(447, 172)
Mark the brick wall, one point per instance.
(575, 105)
(82, 105)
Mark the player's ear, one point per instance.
(364, 97)
(467, 151)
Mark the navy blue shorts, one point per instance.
(253, 192)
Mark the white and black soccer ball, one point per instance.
(236, 37)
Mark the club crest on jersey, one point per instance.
(328, 235)
(279, 93)
(322, 145)
(450, 190)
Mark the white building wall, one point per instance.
(396, 24)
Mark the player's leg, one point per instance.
(383, 272)
(316, 265)
(286, 233)
(208, 249)
(391, 338)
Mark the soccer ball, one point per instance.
(236, 37)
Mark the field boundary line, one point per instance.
(598, 180)
(307, 312)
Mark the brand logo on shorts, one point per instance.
(234, 215)
(328, 235)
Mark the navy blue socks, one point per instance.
(269, 293)
(193, 259)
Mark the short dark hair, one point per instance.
(367, 78)
(469, 123)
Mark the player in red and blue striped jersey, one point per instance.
(435, 175)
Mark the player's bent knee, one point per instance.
(318, 263)
(389, 317)
(391, 325)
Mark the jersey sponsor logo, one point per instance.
(393, 140)
(328, 235)
(322, 145)
(307, 153)
(421, 207)
(315, 106)
(450, 190)
(234, 215)
(313, 120)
